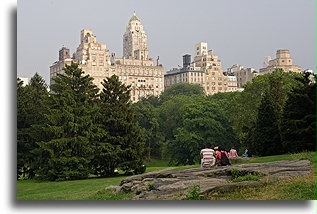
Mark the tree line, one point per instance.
(274, 114)
(74, 130)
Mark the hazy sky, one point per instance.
(239, 31)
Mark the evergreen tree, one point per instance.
(124, 144)
(31, 106)
(266, 135)
(70, 127)
(299, 117)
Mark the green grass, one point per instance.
(156, 163)
(247, 177)
(107, 194)
(94, 188)
(311, 156)
(296, 188)
(63, 190)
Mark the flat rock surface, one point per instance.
(174, 185)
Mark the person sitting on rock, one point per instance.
(218, 156)
(207, 156)
(233, 153)
(222, 157)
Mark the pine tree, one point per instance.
(124, 145)
(266, 135)
(70, 127)
(31, 107)
(299, 117)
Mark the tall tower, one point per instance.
(201, 48)
(64, 53)
(134, 40)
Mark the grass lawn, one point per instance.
(63, 190)
(94, 188)
(297, 188)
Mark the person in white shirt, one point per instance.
(207, 156)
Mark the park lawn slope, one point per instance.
(94, 189)
(297, 188)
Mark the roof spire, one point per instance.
(134, 17)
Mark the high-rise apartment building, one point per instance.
(283, 60)
(201, 48)
(135, 68)
(135, 40)
(205, 70)
(243, 75)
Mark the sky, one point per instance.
(240, 32)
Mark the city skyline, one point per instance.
(235, 41)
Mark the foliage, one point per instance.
(243, 107)
(146, 116)
(181, 89)
(235, 173)
(124, 144)
(69, 126)
(266, 137)
(150, 186)
(194, 193)
(31, 107)
(298, 125)
(201, 123)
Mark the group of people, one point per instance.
(217, 156)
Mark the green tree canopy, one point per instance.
(31, 107)
(125, 140)
(70, 126)
(298, 125)
(181, 89)
(201, 122)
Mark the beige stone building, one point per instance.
(283, 60)
(243, 75)
(184, 75)
(135, 68)
(205, 70)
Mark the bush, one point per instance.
(150, 187)
(194, 193)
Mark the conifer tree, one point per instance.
(124, 145)
(70, 128)
(266, 135)
(31, 106)
(299, 117)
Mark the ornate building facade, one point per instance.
(135, 68)
(283, 60)
(205, 70)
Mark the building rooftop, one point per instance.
(182, 70)
(134, 18)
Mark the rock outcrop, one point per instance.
(174, 185)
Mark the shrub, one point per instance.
(235, 173)
(193, 193)
(150, 187)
